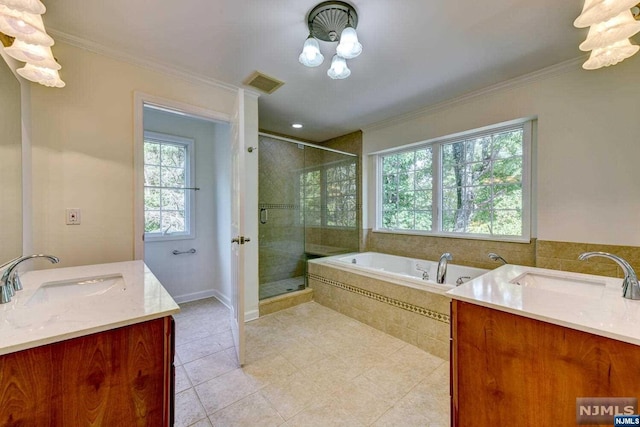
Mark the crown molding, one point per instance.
(143, 62)
(559, 68)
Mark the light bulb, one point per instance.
(311, 55)
(596, 11)
(610, 55)
(339, 69)
(349, 47)
(604, 34)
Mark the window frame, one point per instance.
(190, 224)
(436, 144)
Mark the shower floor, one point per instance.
(279, 287)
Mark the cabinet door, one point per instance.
(509, 368)
(113, 378)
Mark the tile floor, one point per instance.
(306, 366)
(279, 287)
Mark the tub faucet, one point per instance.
(495, 257)
(442, 267)
(10, 282)
(630, 286)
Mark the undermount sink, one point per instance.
(563, 284)
(84, 287)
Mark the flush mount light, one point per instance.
(612, 23)
(297, 126)
(332, 21)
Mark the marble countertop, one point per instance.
(598, 308)
(31, 320)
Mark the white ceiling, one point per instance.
(416, 52)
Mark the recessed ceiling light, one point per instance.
(296, 126)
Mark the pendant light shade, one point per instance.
(29, 6)
(32, 53)
(604, 34)
(610, 55)
(339, 69)
(311, 56)
(44, 76)
(595, 11)
(349, 47)
(24, 26)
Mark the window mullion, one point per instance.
(436, 191)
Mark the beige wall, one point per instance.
(82, 147)
(588, 185)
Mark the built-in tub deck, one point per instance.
(389, 293)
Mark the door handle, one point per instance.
(241, 240)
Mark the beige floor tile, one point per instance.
(292, 396)
(396, 417)
(199, 348)
(209, 367)
(188, 409)
(419, 361)
(202, 423)
(324, 414)
(302, 352)
(365, 406)
(226, 389)
(182, 380)
(252, 411)
(270, 370)
(331, 373)
(389, 381)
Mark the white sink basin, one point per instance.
(83, 287)
(563, 284)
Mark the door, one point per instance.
(238, 226)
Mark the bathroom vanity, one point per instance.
(88, 345)
(527, 342)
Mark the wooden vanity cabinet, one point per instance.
(121, 377)
(512, 370)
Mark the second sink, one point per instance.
(82, 287)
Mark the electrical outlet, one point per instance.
(73, 216)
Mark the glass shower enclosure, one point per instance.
(308, 207)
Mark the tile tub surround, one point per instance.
(539, 253)
(415, 316)
(23, 326)
(564, 256)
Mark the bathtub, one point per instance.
(417, 273)
(389, 293)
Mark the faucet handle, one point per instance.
(14, 279)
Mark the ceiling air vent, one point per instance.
(262, 82)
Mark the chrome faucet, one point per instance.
(630, 286)
(10, 282)
(495, 257)
(442, 267)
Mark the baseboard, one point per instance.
(196, 296)
(251, 315)
(224, 299)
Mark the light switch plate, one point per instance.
(73, 216)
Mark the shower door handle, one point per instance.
(264, 215)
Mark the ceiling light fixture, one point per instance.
(28, 41)
(612, 24)
(332, 21)
(297, 125)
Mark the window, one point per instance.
(471, 185)
(168, 202)
(328, 195)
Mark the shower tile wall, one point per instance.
(281, 251)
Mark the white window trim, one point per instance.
(436, 144)
(189, 183)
